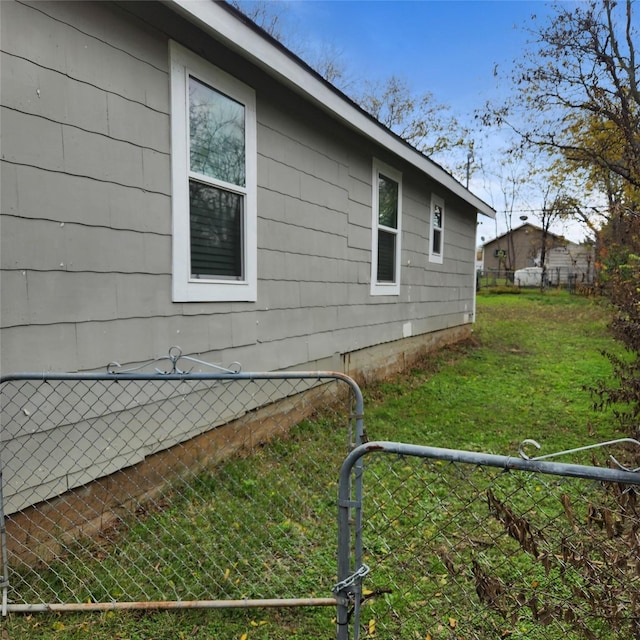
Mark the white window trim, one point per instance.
(186, 289)
(437, 258)
(384, 288)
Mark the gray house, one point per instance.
(172, 175)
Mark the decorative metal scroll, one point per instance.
(173, 357)
(599, 445)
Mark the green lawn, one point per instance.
(521, 376)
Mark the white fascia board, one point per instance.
(214, 19)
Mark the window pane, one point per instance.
(436, 241)
(216, 134)
(387, 202)
(386, 256)
(216, 232)
(437, 217)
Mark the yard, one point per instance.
(521, 376)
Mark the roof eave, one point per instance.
(215, 19)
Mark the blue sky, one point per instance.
(449, 48)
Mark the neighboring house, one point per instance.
(522, 247)
(172, 175)
(573, 263)
(518, 248)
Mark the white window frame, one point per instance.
(436, 201)
(184, 63)
(385, 288)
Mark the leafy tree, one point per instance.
(577, 90)
(577, 95)
(590, 182)
(417, 118)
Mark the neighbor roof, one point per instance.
(530, 226)
(240, 34)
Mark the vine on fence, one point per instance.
(599, 562)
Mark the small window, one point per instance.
(214, 157)
(386, 230)
(436, 234)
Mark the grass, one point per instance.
(521, 376)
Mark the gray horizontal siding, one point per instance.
(101, 47)
(76, 199)
(71, 247)
(38, 142)
(86, 178)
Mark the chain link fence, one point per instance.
(554, 277)
(169, 488)
(456, 545)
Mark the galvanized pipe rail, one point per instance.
(171, 605)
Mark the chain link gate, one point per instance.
(456, 545)
(162, 490)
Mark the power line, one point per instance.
(517, 211)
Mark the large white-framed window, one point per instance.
(436, 230)
(386, 229)
(214, 182)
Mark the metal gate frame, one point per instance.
(352, 570)
(355, 439)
